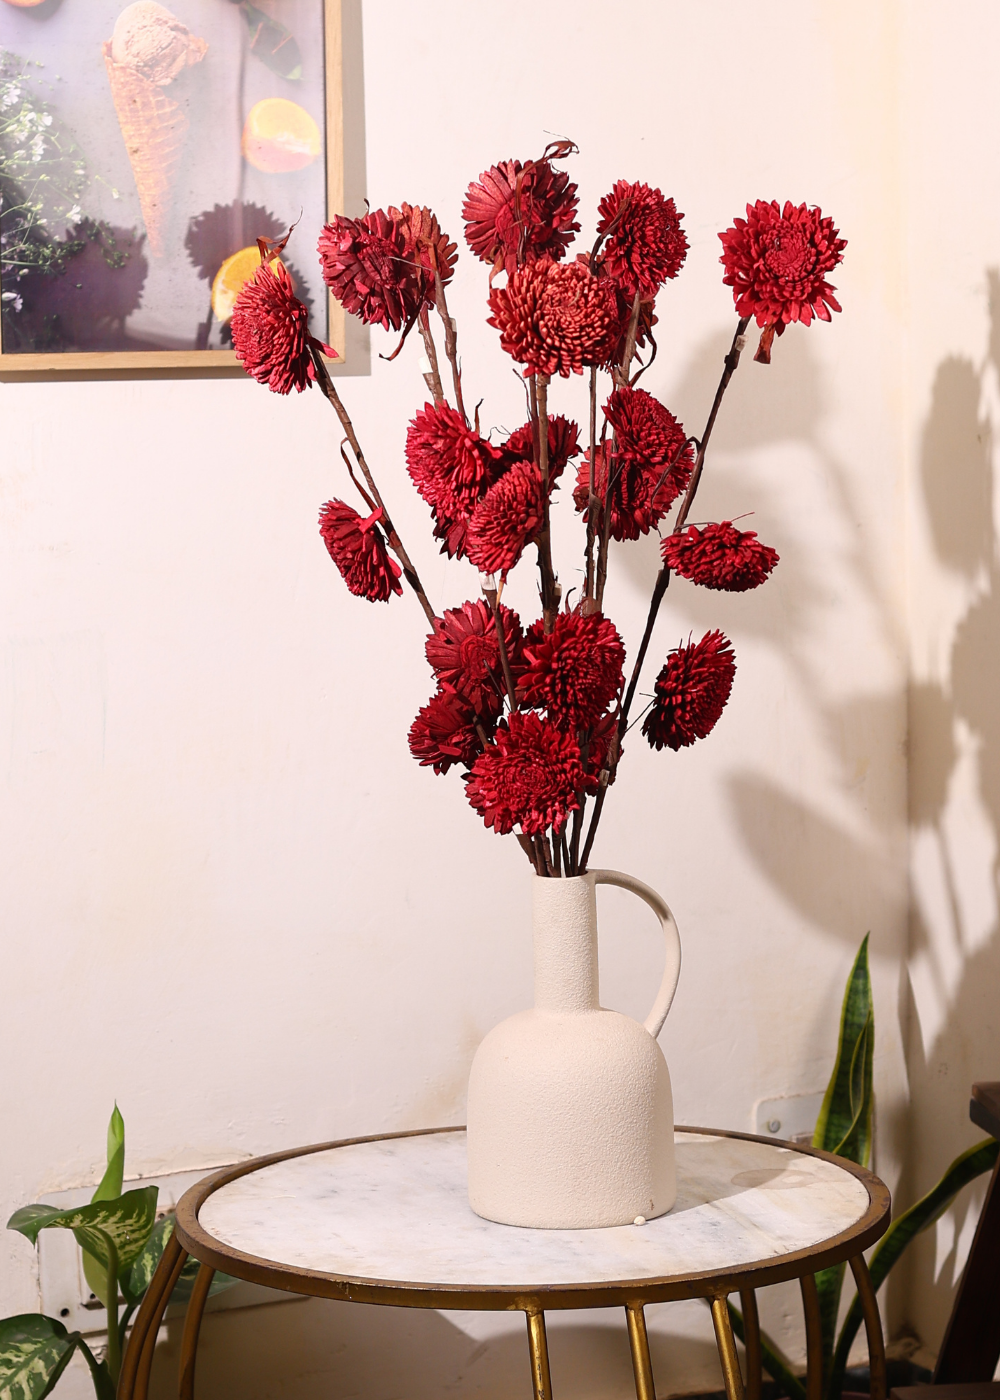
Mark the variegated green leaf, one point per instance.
(34, 1352)
(844, 1123)
(95, 1272)
(126, 1222)
(140, 1276)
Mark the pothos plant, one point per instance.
(844, 1127)
(535, 716)
(122, 1241)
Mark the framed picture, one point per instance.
(144, 148)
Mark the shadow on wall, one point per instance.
(955, 815)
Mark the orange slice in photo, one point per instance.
(229, 280)
(279, 136)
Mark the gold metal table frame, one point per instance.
(190, 1239)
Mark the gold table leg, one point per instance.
(873, 1326)
(538, 1346)
(751, 1342)
(192, 1329)
(638, 1341)
(814, 1337)
(133, 1383)
(726, 1343)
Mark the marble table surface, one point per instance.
(397, 1210)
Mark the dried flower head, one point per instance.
(452, 467)
(555, 318)
(651, 465)
(719, 556)
(776, 262)
(426, 246)
(358, 548)
(444, 732)
(465, 657)
(645, 244)
(270, 329)
(368, 269)
(691, 692)
(518, 213)
(564, 444)
(506, 520)
(530, 776)
(575, 671)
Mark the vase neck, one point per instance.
(565, 936)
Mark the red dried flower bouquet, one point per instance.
(535, 715)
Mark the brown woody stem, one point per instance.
(433, 378)
(592, 501)
(450, 342)
(540, 415)
(395, 543)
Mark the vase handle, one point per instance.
(672, 971)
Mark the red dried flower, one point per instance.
(444, 733)
(646, 244)
(564, 444)
(719, 556)
(270, 329)
(776, 262)
(358, 549)
(517, 213)
(425, 244)
(691, 692)
(452, 467)
(575, 672)
(530, 776)
(368, 269)
(463, 652)
(651, 465)
(506, 520)
(554, 318)
(597, 752)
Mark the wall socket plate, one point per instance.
(792, 1118)
(65, 1293)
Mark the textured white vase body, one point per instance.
(570, 1119)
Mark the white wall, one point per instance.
(230, 898)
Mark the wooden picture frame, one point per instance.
(179, 244)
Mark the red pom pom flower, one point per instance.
(506, 520)
(425, 245)
(564, 445)
(719, 556)
(691, 692)
(776, 262)
(575, 672)
(530, 776)
(646, 244)
(518, 213)
(452, 467)
(270, 328)
(358, 549)
(367, 266)
(651, 466)
(555, 318)
(465, 657)
(444, 733)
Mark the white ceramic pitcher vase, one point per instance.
(570, 1118)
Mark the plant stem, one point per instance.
(433, 378)
(114, 1336)
(526, 846)
(450, 342)
(540, 416)
(731, 362)
(591, 498)
(396, 544)
(103, 1387)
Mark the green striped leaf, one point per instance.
(920, 1216)
(124, 1224)
(141, 1275)
(845, 1118)
(95, 1273)
(776, 1364)
(34, 1352)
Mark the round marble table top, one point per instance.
(394, 1213)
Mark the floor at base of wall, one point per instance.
(856, 1381)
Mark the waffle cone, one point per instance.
(154, 128)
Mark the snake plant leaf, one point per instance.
(110, 1187)
(125, 1223)
(845, 1118)
(776, 1364)
(965, 1168)
(34, 1352)
(273, 43)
